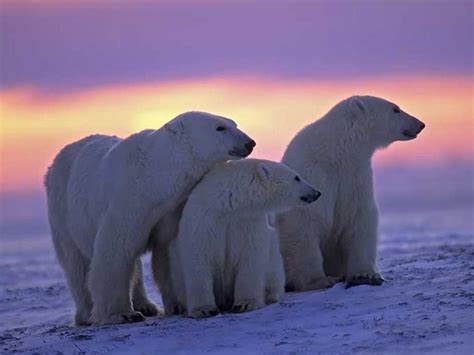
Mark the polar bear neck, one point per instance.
(335, 139)
(238, 196)
(186, 161)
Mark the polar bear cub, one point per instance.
(226, 255)
(106, 194)
(337, 237)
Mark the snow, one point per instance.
(426, 306)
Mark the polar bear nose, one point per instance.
(250, 145)
(309, 198)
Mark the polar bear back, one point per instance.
(70, 187)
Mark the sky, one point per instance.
(69, 69)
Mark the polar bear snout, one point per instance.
(415, 127)
(420, 126)
(245, 151)
(311, 197)
(306, 192)
(249, 146)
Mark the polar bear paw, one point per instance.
(272, 297)
(245, 306)
(122, 318)
(373, 279)
(132, 317)
(321, 283)
(203, 312)
(82, 319)
(175, 309)
(148, 309)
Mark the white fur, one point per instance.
(337, 237)
(275, 274)
(106, 194)
(226, 256)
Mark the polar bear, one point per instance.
(337, 238)
(106, 194)
(226, 256)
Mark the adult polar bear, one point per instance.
(226, 256)
(105, 195)
(337, 237)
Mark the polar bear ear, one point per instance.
(264, 171)
(358, 107)
(174, 127)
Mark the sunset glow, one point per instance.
(36, 126)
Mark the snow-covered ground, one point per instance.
(426, 254)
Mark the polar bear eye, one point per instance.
(220, 129)
(396, 109)
(297, 178)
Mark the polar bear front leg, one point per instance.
(164, 233)
(140, 300)
(249, 287)
(275, 278)
(199, 285)
(361, 251)
(116, 250)
(161, 268)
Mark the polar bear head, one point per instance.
(211, 138)
(282, 187)
(251, 185)
(382, 121)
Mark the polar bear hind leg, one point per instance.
(75, 267)
(304, 266)
(140, 300)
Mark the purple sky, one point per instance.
(58, 46)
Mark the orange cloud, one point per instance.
(35, 126)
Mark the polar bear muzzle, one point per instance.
(416, 126)
(245, 151)
(311, 197)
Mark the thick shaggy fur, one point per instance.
(337, 237)
(226, 256)
(106, 194)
